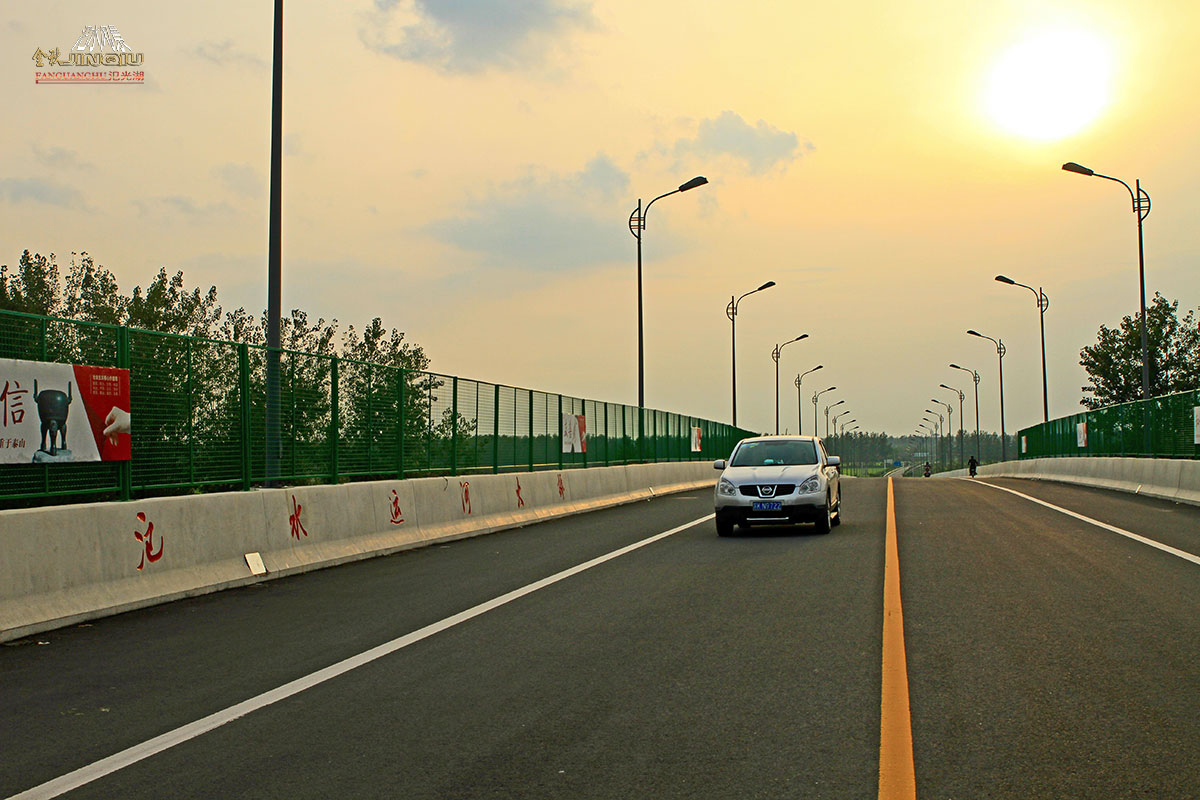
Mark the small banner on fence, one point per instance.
(1081, 434)
(58, 413)
(1196, 423)
(574, 438)
(695, 440)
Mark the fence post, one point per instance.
(401, 386)
(334, 419)
(244, 410)
(454, 425)
(531, 430)
(125, 468)
(496, 430)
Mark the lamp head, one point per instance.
(766, 285)
(699, 180)
(975, 333)
(1071, 166)
(956, 366)
(801, 336)
(1003, 279)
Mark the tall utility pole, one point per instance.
(274, 256)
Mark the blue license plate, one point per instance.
(764, 506)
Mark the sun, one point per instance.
(1051, 84)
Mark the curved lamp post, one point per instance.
(637, 224)
(799, 401)
(817, 396)
(962, 459)
(1043, 303)
(1000, 351)
(1141, 207)
(731, 312)
(831, 405)
(775, 356)
(937, 444)
(836, 417)
(974, 377)
(928, 436)
(949, 427)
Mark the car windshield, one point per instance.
(772, 454)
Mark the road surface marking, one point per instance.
(139, 752)
(1165, 548)
(897, 778)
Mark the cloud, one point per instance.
(761, 147)
(546, 224)
(59, 157)
(225, 54)
(182, 205)
(241, 179)
(36, 190)
(469, 36)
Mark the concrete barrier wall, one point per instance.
(67, 564)
(1165, 478)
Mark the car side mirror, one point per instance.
(834, 461)
(719, 464)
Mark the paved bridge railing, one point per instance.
(198, 419)
(1161, 427)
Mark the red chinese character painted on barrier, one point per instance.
(466, 495)
(520, 500)
(147, 540)
(562, 490)
(12, 407)
(397, 514)
(294, 519)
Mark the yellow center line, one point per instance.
(897, 779)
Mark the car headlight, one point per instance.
(811, 485)
(726, 488)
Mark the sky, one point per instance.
(465, 170)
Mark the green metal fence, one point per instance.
(1161, 427)
(199, 421)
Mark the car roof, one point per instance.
(782, 438)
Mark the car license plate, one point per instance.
(760, 505)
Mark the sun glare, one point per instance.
(1051, 84)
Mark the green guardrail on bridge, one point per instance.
(199, 420)
(1161, 427)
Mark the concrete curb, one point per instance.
(68, 564)
(1163, 478)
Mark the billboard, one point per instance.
(62, 413)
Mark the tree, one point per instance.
(33, 288)
(1114, 363)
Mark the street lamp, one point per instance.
(817, 396)
(831, 405)
(961, 456)
(842, 413)
(937, 444)
(974, 377)
(274, 258)
(928, 436)
(731, 312)
(1000, 351)
(949, 427)
(637, 224)
(1043, 303)
(800, 403)
(775, 356)
(1141, 207)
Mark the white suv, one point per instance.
(778, 480)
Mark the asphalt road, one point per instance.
(1046, 657)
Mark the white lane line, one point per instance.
(1165, 548)
(132, 755)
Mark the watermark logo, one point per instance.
(99, 55)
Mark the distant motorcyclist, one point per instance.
(928, 469)
(971, 465)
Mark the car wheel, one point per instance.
(837, 518)
(724, 526)
(825, 521)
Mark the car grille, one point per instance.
(781, 489)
